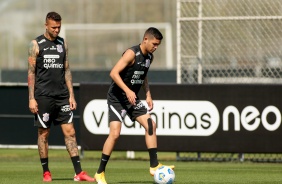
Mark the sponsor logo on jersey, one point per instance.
(138, 72)
(50, 56)
(139, 106)
(65, 108)
(50, 61)
(138, 81)
(53, 48)
(136, 77)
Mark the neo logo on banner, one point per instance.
(181, 118)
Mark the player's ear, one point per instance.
(145, 40)
(46, 25)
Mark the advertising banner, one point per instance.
(192, 118)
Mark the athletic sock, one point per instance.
(103, 163)
(76, 164)
(44, 163)
(153, 157)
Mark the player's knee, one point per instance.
(43, 132)
(71, 132)
(151, 126)
(114, 135)
(68, 129)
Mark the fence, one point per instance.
(224, 41)
(227, 41)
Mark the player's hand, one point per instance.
(33, 107)
(73, 104)
(131, 96)
(150, 103)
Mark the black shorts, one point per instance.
(118, 111)
(52, 110)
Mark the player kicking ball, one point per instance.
(128, 76)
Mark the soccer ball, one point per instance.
(164, 175)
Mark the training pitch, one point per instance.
(22, 166)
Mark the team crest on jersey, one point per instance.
(60, 48)
(46, 117)
(123, 113)
(148, 62)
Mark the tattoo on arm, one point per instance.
(146, 87)
(32, 54)
(68, 76)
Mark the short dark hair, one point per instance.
(154, 32)
(53, 16)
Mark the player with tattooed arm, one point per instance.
(51, 96)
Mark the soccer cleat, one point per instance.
(153, 169)
(100, 178)
(82, 176)
(47, 176)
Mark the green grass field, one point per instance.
(21, 166)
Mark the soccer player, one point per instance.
(128, 76)
(51, 96)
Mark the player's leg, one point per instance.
(43, 121)
(116, 115)
(71, 145)
(115, 128)
(140, 113)
(151, 141)
(150, 130)
(150, 137)
(64, 117)
(42, 142)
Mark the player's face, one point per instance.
(152, 44)
(53, 28)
